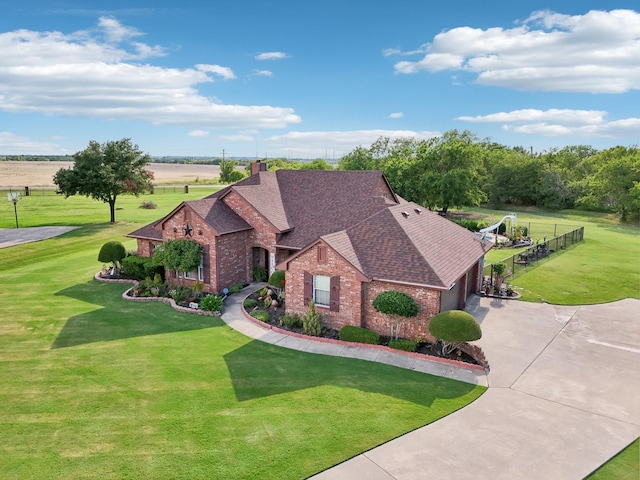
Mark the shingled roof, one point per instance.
(218, 214)
(409, 244)
(212, 210)
(305, 204)
(148, 232)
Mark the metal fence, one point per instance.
(533, 254)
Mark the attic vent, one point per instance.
(417, 210)
(405, 214)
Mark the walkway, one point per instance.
(562, 399)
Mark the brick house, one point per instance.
(342, 237)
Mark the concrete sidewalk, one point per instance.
(234, 317)
(562, 399)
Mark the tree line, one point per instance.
(452, 171)
(460, 170)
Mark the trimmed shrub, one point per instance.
(250, 302)
(291, 320)
(211, 303)
(454, 326)
(403, 344)
(261, 315)
(134, 266)
(350, 333)
(277, 279)
(395, 303)
(236, 288)
(312, 321)
(113, 252)
(470, 224)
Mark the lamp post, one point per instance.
(14, 197)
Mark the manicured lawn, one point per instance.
(623, 466)
(92, 386)
(604, 267)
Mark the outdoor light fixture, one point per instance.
(14, 197)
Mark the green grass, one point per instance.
(624, 466)
(604, 267)
(93, 386)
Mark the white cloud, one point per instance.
(82, 75)
(396, 115)
(271, 56)
(12, 144)
(225, 72)
(198, 133)
(262, 73)
(596, 52)
(115, 31)
(561, 123)
(534, 115)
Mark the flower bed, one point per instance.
(468, 354)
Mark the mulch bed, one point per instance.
(425, 348)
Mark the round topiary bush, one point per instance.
(395, 303)
(113, 252)
(454, 326)
(277, 279)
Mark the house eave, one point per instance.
(413, 284)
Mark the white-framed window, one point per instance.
(197, 273)
(322, 290)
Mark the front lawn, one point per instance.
(93, 386)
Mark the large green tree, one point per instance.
(447, 171)
(105, 171)
(615, 184)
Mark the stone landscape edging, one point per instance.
(170, 301)
(383, 348)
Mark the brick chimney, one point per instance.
(258, 166)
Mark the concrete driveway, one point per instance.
(564, 397)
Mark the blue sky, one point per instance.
(303, 79)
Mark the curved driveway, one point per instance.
(564, 397)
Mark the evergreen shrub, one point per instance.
(403, 344)
(350, 333)
(277, 279)
(260, 315)
(250, 303)
(291, 320)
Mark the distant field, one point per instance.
(40, 174)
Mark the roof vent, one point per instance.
(405, 214)
(417, 210)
